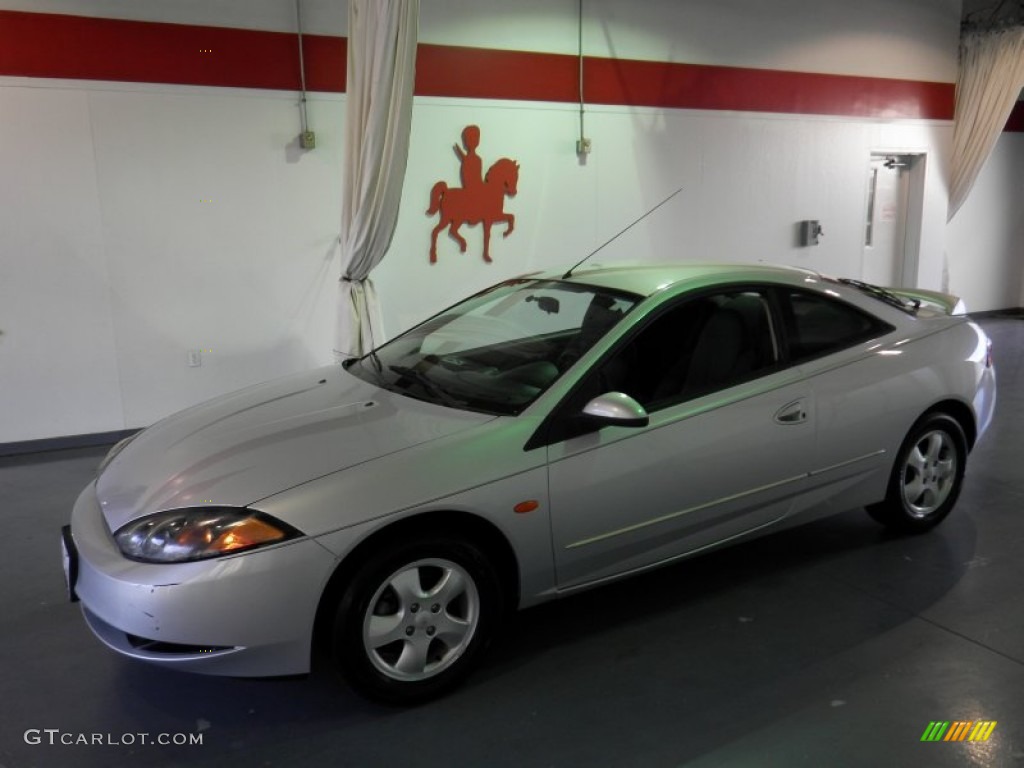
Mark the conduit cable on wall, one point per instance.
(307, 139)
(583, 144)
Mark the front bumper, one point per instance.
(250, 614)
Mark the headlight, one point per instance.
(181, 535)
(112, 453)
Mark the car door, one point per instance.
(860, 402)
(726, 451)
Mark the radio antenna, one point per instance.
(619, 234)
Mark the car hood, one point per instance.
(243, 447)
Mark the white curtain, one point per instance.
(378, 115)
(989, 84)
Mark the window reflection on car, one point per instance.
(499, 350)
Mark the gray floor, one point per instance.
(831, 645)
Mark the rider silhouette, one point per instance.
(480, 199)
(472, 171)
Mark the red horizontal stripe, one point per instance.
(692, 86)
(477, 73)
(48, 45)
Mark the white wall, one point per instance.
(113, 266)
(326, 17)
(985, 241)
(746, 181)
(884, 38)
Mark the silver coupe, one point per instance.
(544, 436)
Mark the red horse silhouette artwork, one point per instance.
(479, 200)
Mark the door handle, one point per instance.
(792, 413)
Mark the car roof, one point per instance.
(647, 279)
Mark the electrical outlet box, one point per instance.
(583, 146)
(810, 232)
(307, 140)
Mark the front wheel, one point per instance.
(415, 619)
(926, 478)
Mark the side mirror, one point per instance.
(616, 409)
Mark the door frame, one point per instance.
(914, 215)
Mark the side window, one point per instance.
(817, 325)
(701, 345)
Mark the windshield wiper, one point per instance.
(376, 369)
(428, 384)
(372, 354)
(882, 294)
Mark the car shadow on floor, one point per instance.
(798, 575)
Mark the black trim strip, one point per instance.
(64, 442)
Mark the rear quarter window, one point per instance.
(818, 325)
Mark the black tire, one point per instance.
(437, 602)
(926, 478)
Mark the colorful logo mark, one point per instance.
(959, 730)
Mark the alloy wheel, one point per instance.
(929, 473)
(421, 619)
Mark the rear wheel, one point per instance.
(926, 478)
(415, 619)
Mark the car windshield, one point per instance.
(497, 351)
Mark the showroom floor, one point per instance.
(830, 645)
